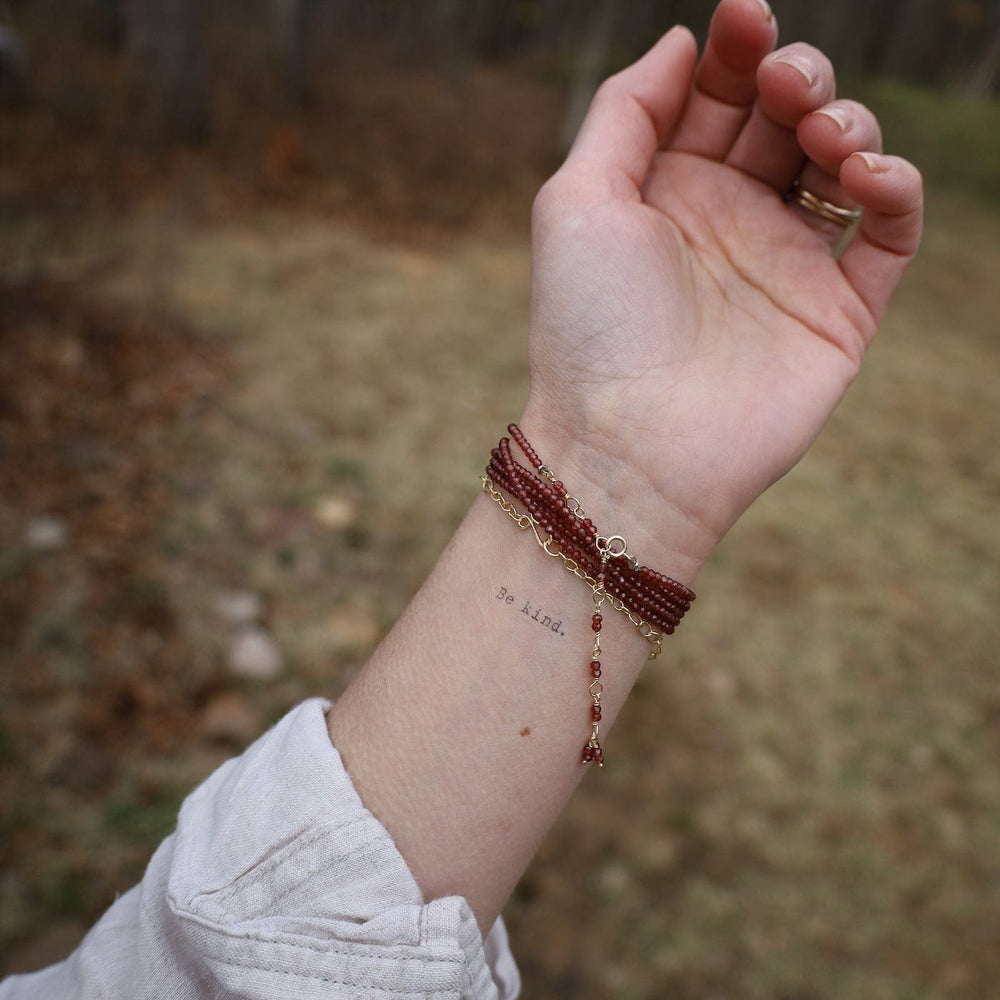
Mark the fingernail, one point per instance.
(768, 13)
(839, 117)
(800, 64)
(876, 164)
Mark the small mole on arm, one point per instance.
(526, 731)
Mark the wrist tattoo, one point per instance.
(532, 611)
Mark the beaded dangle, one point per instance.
(592, 751)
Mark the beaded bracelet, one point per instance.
(654, 603)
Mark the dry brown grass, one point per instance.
(805, 800)
(805, 797)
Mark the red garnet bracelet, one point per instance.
(654, 603)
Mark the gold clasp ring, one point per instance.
(608, 545)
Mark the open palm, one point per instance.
(680, 308)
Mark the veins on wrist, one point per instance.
(623, 498)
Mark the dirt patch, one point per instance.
(88, 399)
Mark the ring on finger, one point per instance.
(826, 209)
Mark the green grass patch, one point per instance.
(953, 139)
(135, 814)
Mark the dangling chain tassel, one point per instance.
(652, 602)
(592, 751)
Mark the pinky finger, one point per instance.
(890, 190)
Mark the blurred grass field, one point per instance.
(214, 397)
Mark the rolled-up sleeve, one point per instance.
(279, 883)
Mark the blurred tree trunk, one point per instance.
(985, 77)
(913, 42)
(106, 22)
(14, 68)
(288, 18)
(167, 68)
(589, 69)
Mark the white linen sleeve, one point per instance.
(279, 883)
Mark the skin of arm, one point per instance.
(690, 335)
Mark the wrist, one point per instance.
(596, 466)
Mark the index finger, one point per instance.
(742, 32)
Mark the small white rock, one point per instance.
(720, 683)
(335, 513)
(238, 607)
(45, 533)
(254, 654)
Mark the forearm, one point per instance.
(278, 882)
(463, 734)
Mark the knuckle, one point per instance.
(546, 199)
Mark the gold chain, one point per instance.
(548, 545)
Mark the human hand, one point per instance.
(692, 332)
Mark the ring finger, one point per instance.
(827, 137)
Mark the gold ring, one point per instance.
(826, 209)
